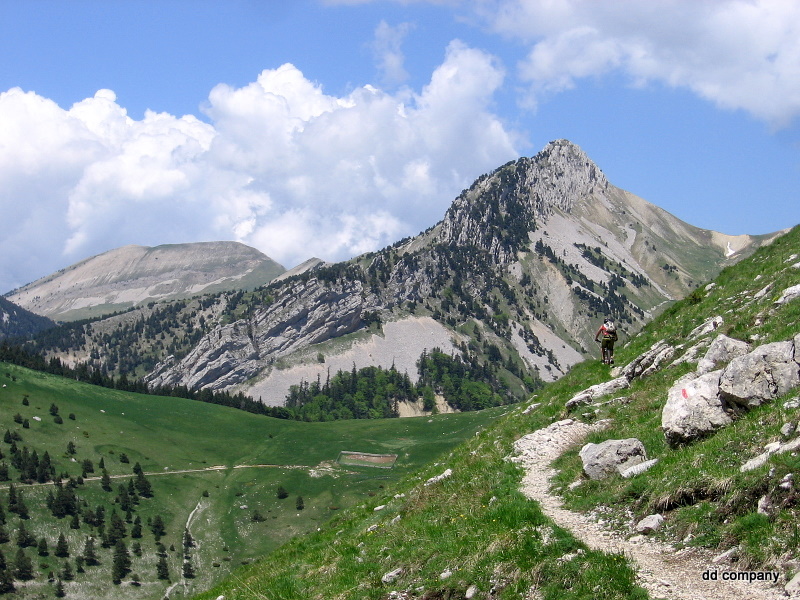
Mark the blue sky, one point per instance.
(332, 127)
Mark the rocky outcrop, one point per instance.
(769, 450)
(611, 456)
(649, 362)
(588, 395)
(761, 375)
(707, 326)
(722, 350)
(789, 294)
(699, 405)
(307, 313)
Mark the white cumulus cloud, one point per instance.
(742, 55)
(278, 164)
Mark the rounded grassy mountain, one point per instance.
(131, 275)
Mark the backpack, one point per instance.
(610, 331)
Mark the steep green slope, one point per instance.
(214, 469)
(473, 530)
(699, 487)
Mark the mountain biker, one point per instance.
(608, 331)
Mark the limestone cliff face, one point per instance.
(304, 313)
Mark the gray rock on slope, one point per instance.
(697, 406)
(722, 350)
(759, 376)
(588, 395)
(612, 456)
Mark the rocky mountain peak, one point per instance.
(500, 209)
(561, 174)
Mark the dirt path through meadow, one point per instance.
(662, 571)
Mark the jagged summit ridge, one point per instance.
(500, 209)
(561, 174)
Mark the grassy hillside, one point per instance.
(699, 488)
(474, 530)
(215, 469)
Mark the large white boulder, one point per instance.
(694, 409)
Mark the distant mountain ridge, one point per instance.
(527, 259)
(131, 275)
(514, 280)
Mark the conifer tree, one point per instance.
(116, 529)
(12, 498)
(157, 527)
(60, 593)
(42, 548)
(67, 574)
(24, 537)
(162, 568)
(105, 481)
(188, 541)
(143, 486)
(90, 553)
(6, 576)
(136, 530)
(121, 564)
(62, 548)
(188, 569)
(22, 508)
(23, 566)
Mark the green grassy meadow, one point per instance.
(212, 467)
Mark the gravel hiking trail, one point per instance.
(661, 570)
